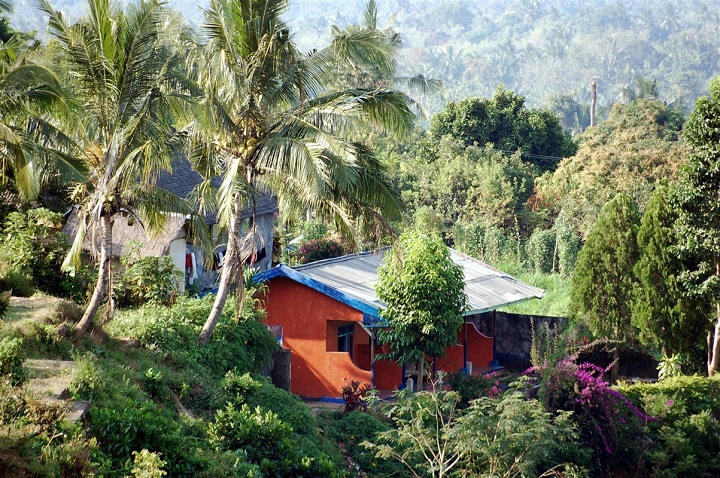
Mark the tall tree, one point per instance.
(662, 312)
(603, 280)
(424, 291)
(271, 122)
(700, 211)
(127, 76)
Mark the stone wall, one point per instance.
(513, 337)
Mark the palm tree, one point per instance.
(127, 75)
(29, 91)
(271, 122)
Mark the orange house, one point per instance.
(326, 313)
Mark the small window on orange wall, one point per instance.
(345, 338)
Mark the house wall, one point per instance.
(176, 251)
(303, 313)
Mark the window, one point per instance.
(345, 338)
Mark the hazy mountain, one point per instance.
(539, 48)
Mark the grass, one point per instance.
(556, 301)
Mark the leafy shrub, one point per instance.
(540, 249)
(318, 249)
(610, 424)
(469, 388)
(15, 281)
(267, 441)
(245, 389)
(669, 367)
(154, 384)
(687, 394)
(685, 441)
(34, 441)
(354, 428)
(87, 383)
(245, 344)
(353, 394)
(509, 436)
(131, 426)
(147, 279)
(568, 247)
(32, 250)
(4, 303)
(147, 465)
(11, 360)
(313, 230)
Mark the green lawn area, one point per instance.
(556, 301)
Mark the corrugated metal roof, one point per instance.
(487, 288)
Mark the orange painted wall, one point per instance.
(479, 347)
(303, 313)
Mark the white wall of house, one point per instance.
(176, 251)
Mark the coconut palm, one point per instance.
(126, 73)
(270, 122)
(29, 90)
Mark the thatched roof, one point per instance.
(126, 230)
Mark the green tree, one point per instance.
(271, 120)
(638, 145)
(127, 78)
(699, 224)
(603, 279)
(504, 121)
(29, 90)
(661, 310)
(425, 295)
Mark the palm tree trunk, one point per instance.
(103, 280)
(231, 263)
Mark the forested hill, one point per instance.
(540, 49)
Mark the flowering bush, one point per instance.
(610, 424)
(318, 249)
(470, 387)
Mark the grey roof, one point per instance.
(487, 288)
(184, 178)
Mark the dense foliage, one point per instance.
(244, 344)
(510, 436)
(32, 249)
(664, 314)
(603, 280)
(639, 144)
(699, 213)
(148, 279)
(504, 122)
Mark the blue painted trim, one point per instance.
(326, 400)
(284, 271)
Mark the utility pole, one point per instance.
(593, 101)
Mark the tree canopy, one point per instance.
(638, 145)
(504, 121)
